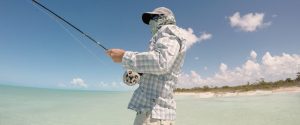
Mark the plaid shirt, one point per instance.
(161, 67)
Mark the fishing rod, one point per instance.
(67, 22)
(129, 77)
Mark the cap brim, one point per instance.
(147, 16)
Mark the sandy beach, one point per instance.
(247, 93)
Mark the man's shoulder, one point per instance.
(169, 31)
(173, 31)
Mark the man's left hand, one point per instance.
(116, 54)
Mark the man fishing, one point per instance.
(160, 66)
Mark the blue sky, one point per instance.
(36, 51)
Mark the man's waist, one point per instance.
(143, 112)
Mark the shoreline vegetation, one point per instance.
(259, 87)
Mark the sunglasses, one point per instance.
(156, 16)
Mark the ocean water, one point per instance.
(31, 106)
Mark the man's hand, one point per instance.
(116, 54)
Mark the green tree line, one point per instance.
(260, 85)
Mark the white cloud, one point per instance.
(102, 84)
(191, 38)
(249, 22)
(114, 84)
(253, 55)
(271, 68)
(190, 80)
(205, 36)
(78, 82)
(205, 68)
(223, 67)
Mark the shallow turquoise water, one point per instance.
(275, 109)
(29, 106)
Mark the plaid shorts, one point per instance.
(144, 118)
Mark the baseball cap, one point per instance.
(158, 11)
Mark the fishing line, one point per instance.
(67, 22)
(69, 32)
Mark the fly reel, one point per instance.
(131, 78)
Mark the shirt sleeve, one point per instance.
(157, 61)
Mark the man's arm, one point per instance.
(158, 61)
